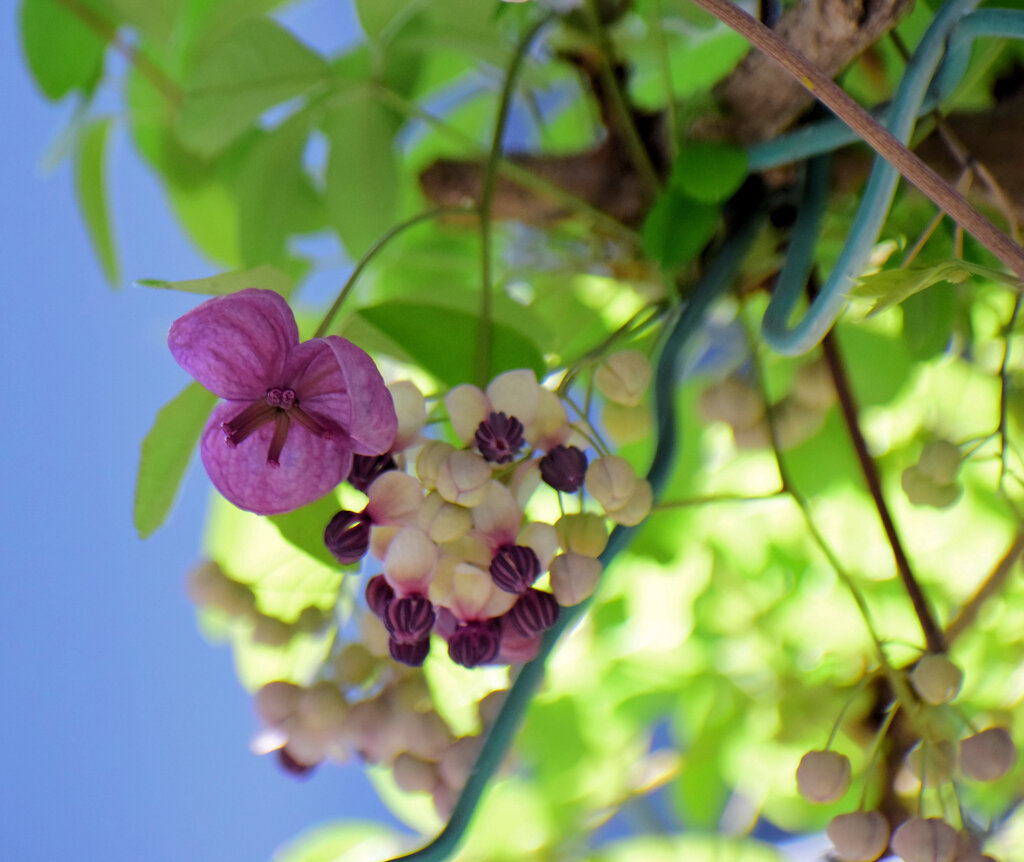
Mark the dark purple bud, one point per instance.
(347, 536)
(412, 654)
(514, 568)
(499, 438)
(409, 619)
(475, 643)
(564, 468)
(378, 594)
(292, 766)
(536, 611)
(366, 468)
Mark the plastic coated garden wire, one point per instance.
(825, 136)
(874, 207)
(718, 278)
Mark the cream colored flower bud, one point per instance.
(467, 407)
(584, 534)
(443, 521)
(926, 840)
(322, 707)
(368, 729)
(611, 481)
(354, 665)
(472, 589)
(411, 409)
(860, 836)
(823, 776)
(429, 462)
(733, 401)
(542, 539)
(394, 499)
(624, 377)
(812, 385)
(307, 746)
(380, 540)
(573, 578)
(423, 734)
(311, 620)
(276, 702)
(627, 425)
(463, 478)
(414, 775)
(208, 586)
(498, 515)
(270, 631)
(457, 762)
(410, 560)
(936, 679)
(550, 424)
(988, 755)
(637, 507)
(515, 393)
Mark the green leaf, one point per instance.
(166, 451)
(91, 192)
(276, 198)
(377, 16)
(153, 18)
(362, 172)
(304, 528)
(677, 228)
(62, 51)
(442, 341)
(265, 277)
(351, 841)
(928, 320)
(256, 66)
(708, 172)
(892, 286)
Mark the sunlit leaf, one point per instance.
(890, 287)
(91, 189)
(708, 172)
(166, 451)
(256, 66)
(351, 841)
(265, 277)
(62, 50)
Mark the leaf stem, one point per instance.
(483, 341)
(990, 587)
(871, 131)
(934, 638)
(371, 253)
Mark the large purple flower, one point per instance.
(293, 413)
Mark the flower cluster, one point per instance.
(459, 555)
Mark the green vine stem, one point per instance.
(483, 341)
(941, 193)
(372, 252)
(716, 281)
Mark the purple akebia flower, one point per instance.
(499, 438)
(564, 468)
(475, 643)
(294, 414)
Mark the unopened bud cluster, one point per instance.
(446, 528)
(823, 777)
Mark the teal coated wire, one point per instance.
(878, 195)
(717, 279)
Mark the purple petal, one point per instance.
(374, 422)
(236, 345)
(310, 466)
(320, 386)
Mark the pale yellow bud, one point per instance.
(542, 539)
(624, 377)
(498, 515)
(584, 534)
(550, 425)
(354, 664)
(515, 393)
(322, 707)
(611, 481)
(733, 401)
(443, 521)
(423, 734)
(414, 775)
(467, 407)
(429, 462)
(374, 636)
(463, 478)
(394, 498)
(637, 507)
(574, 578)
(277, 701)
(411, 409)
(410, 560)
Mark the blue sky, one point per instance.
(125, 733)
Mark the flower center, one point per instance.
(280, 406)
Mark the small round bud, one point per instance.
(611, 481)
(414, 775)
(467, 407)
(410, 560)
(293, 767)
(366, 468)
(311, 620)
(922, 490)
(988, 755)
(823, 776)
(936, 679)
(411, 409)
(499, 438)
(394, 499)
(573, 578)
(860, 836)
(564, 468)
(270, 631)
(475, 643)
(926, 840)
(623, 377)
(409, 619)
(463, 478)
(940, 460)
(429, 462)
(354, 665)
(347, 536)
(378, 593)
(322, 707)
(514, 568)
(733, 401)
(584, 533)
(637, 507)
(812, 385)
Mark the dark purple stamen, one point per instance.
(409, 619)
(514, 568)
(564, 468)
(536, 611)
(279, 405)
(499, 438)
(475, 643)
(347, 536)
(366, 468)
(378, 593)
(412, 654)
